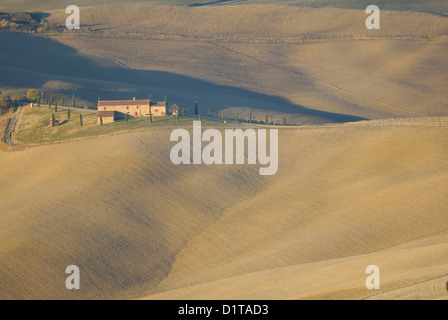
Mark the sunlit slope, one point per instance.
(412, 271)
(431, 6)
(255, 22)
(45, 5)
(114, 206)
(343, 199)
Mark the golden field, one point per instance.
(363, 168)
(345, 197)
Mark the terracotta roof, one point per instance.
(160, 104)
(105, 114)
(110, 103)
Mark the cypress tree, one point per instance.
(196, 107)
(101, 119)
(38, 102)
(250, 118)
(284, 121)
(68, 113)
(73, 101)
(266, 119)
(56, 107)
(80, 119)
(150, 118)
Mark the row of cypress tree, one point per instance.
(51, 101)
(224, 117)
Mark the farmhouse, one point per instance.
(133, 108)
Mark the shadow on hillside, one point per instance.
(31, 61)
(214, 3)
(436, 7)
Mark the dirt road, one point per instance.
(13, 126)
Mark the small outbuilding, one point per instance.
(107, 116)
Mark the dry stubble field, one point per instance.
(346, 195)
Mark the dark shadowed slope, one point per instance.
(31, 61)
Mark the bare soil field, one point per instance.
(345, 197)
(362, 178)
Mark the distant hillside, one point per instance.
(439, 7)
(229, 58)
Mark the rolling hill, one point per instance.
(363, 167)
(345, 197)
(299, 69)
